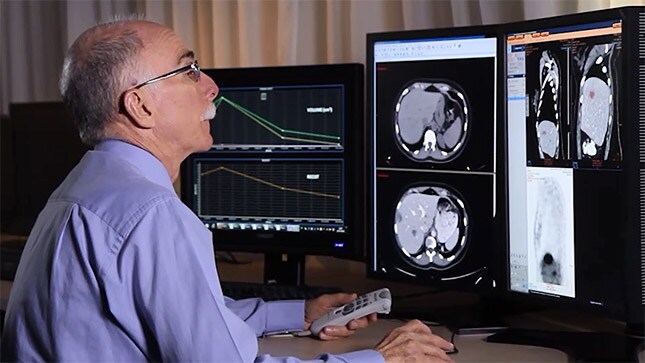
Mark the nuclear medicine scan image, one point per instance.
(597, 130)
(549, 230)
(552, 243)
(431, 121)
(547, 103)
(431, 226)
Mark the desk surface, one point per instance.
(350, 276)
(472, 348)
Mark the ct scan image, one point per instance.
(597, 129)
(435, 227)
(430, 226)
(436, 114)
(550, 229)
(545, 81)
(431, 120)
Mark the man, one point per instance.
(116, 267)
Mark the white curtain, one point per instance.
(229, 33)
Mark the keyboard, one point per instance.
(269, 292)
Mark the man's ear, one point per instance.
(138, 109)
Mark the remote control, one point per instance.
(378, 301)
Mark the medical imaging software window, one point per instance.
(564, 131)
(434, 152)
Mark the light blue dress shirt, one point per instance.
(117, 268)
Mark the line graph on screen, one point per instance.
(285, 189)
(279, 118)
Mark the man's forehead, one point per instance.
(163, 41)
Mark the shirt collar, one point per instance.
(150, 166)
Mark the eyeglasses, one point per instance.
(193, 73)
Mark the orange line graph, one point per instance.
(265, 182)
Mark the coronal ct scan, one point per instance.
(596, 116)
(431, 121)
(573, 96)
(547, 104)
(431, 226)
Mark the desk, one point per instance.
(472, 348)
(350, 276)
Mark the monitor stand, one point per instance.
(485, 317)
(581, 346)
(284, 269)
(482, 317)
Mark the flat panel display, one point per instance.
(286, 170)
(565, 161)
(432, 103)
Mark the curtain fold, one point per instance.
(241, 33)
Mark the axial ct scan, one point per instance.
(431, 121)
(430, 226)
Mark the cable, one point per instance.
(454, 346)
(228, 257)
(416, 294)
(428, 322)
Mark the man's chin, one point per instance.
(207, 144)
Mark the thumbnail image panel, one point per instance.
(436, 114)
(596, 121)
(434, 226)
(550, 230)
(547, 127)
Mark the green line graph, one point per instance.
(281, 118)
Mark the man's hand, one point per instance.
(319, 306)
(414, 342)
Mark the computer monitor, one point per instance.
(432, 100)
(574, 162)
(285, 174)
(7, 171)
(46, 146)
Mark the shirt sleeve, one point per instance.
(269, 317)
(359, 356)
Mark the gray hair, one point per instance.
(94, 75)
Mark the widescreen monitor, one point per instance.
(574, 162)
(45, 147)
(7, 171)
(285, 173)
(432, 107)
